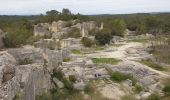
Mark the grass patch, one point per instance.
(151, 64)
(154, 96)
(105, 61)
(166, 88)
(66, 60)
(139, 40)
(138, 88)
(76, 51)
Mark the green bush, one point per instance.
(58, 74)
(151, 64)
(68, 85)
(87, 42)
(138, 88)
(117, 76)
(25, 61)
(66, 60)
(76, 51)
(103, 37)
(154, 96)
(166, 89)
(72, 78)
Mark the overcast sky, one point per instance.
(30, 7)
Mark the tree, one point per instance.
(103, 37)
(66, 11)
(52, 13)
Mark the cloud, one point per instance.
(83, 6)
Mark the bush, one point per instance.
(117, 76)
(103, 37)
(75, 33)
(72, 78)
(66, 60)
(76, 51)
(68, 85)
(58, 74)
(25, 61)
(138, 88)
(166, 89)
(151, 64)
(154, 96)
(87, 42)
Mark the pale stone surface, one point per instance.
(42, 29)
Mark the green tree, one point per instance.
(103, 37)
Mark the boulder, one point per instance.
(7, 67)
(42, 29)
(57, 26)
(58, 83)
(79, 86)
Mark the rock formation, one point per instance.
(42, 29)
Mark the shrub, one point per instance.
(87, 42)
(58, 74)
(72, 78)
(154, 96)
(68, 85)
(117, 76)
(138, 88)
(66, 60)
(166, 89)
(25, 61)
(151, 64)
(75, 33)
(76, 51)
(103, 37)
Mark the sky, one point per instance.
(33, 7)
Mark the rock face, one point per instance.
(7, 67)
(86, 27)
(57, 26)
(42, 29)
(28, 80)
(1, 39)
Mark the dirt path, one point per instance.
(121, 53)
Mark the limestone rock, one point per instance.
(57, 26)
(7, 66)
(42, 29)
(58, 83)
(79, 86)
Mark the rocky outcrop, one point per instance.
(42, 29)
(7, 67)
(28, 80)
(57, 26)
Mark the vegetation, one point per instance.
(153, 65)
(25, 61)
(166, 88)
(87, 42)
(103, 37)
(72, 78)
(66, 60)
(138, 88)
(154, 96)
(105, 61)
(76, 51)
